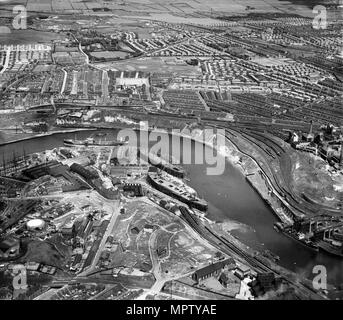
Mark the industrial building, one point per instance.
(134, 188)
(264, 282)
(212, 270)
(35, 225)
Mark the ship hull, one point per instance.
(171, 170)
(93, 144)
(312, 247)
(194, 204)
(323, 246)
(175, 171)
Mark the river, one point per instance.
(230, 197)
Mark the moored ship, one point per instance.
(334, 248)
(92, 142)
(162, 164)
(299, 237)
(332, 245)
(179, 191)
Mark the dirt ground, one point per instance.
(311, 176)
(44, 252)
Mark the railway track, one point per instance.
(226, 246)
(296, 203)
(221, 242)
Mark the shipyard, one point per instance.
(171, 151)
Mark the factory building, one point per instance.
(242, 271)
(35, 225)
(129, 78)
(134, 188)
(83, 172)
(264, 282)
(212, 270)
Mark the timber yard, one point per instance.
(93, 215)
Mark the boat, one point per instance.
(160, 163)
(295, 236)
(331, 248)
(92, 142)
(176, 189)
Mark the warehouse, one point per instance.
(212, 270)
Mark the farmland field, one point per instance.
(160, 9)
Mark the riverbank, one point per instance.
(249, 168)
(246, 164)
(47, 134)
(231, 153)
(231, 198)
(259, 181)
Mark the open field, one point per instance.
(143, 29)
(28, 36)
(135, 246)
(43, 252)
(184, 253)
(109, 54)
(160, 10)
(152, 65)
(311, 177)
(130, 244)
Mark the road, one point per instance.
(107, 233)
(162, 278)
(156, 266)
(238, 253)
(80, 48)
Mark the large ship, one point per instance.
(298, 236)
(177, 189)
(159, 162)
(92, 142)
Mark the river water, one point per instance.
(230, 197)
